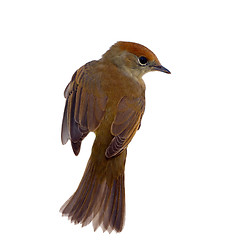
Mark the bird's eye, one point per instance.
(142, 60)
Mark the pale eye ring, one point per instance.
(142, 60)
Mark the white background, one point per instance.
(179, 181)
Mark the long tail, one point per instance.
(100, 197)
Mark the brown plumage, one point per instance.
(106, 97)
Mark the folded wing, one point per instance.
(84, 109)
(125, 125)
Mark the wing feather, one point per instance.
(85, 107)
(126, 123)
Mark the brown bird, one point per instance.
(106, 97)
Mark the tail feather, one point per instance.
(112, 210)
(100, 200)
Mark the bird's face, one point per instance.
(134, 59)
(137, 66)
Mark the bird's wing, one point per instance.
(84, 109)
(125, 124)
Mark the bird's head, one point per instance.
(134, 59)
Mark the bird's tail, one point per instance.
(100, 197)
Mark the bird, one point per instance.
(107, 97)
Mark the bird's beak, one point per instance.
(160, 68)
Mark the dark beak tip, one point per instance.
(163, 69)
